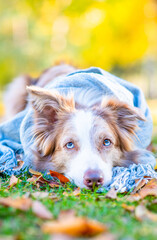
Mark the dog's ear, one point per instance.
(123, 119)
(49, 108)
(49, 103)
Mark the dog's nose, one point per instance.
(93, 178)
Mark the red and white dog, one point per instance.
(83, 142)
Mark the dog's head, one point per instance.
(84, 144)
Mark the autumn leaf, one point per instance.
(129, 208)
(133, 197)
(111, 194)
(19, 203)
(13, 181)
(77, 192)
(140, 185)
(38, 179)
(40, 194)
(33, 179)
(53, 184)
(61, 177)
(74, 226)
(35, 172)
(149, 189)
(41, 211)
(142, 213)
(25, 204)
(20, 164)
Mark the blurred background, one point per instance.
(119, 36)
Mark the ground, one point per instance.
(122, 222)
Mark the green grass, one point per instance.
(25, 225)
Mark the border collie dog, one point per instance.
(83, 122)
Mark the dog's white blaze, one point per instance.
(88, 156)
(83, 122)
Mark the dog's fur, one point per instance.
(59, 120)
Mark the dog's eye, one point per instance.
(106, 142)
(70, 145)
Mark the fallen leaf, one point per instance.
(133, 197)
(149, 189)
(20, 164)
(35, 172)
(19, 203)
(74, 226)
(129, 208)
(53, 184)
(74, 193)
(40, 180)
(61, 177)
(142, 213)
(41, 211)
(111, 194)
(13, 181)
(33, 179)
(140, 185)
(40, 195)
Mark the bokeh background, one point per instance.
(119, 36)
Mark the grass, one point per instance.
(25, 225)
(16, 224)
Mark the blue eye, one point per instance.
(106, 142)
(70, 145)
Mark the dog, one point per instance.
(77, 133)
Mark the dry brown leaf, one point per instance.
(142, 213)
(140, 185)
(66, 194)
(33, 179)
(35, 172)
(111, 194)
(133, 197)
(41, 211)
(61, 177)
(149, 189)
(128, 207)
(19, 165)
(19, 203)
(74, 226)
(53, 184)
(13, 181)
(40, 195)
(39, 180)
(74, 193)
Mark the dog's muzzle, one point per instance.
(93, 178)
